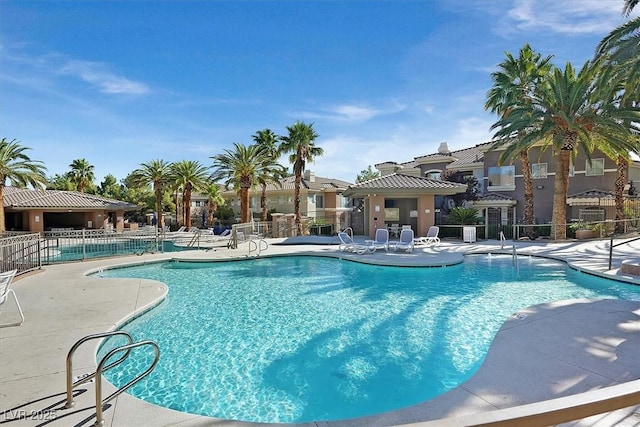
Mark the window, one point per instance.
(319, 201)
(343, 202)
(502, 178)
(432, 174)
(595, 168)
(538, 170)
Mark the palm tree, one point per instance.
(299, 142)
(157, 173)
(619, 53)
(240, 168)
(628, 6)
(19, 169)
(214, 199)
(189, 176)
(272, 172)
(618, 80)
(563, 115)
(513, 85)
(81, 174)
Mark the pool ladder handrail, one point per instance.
(515, 258)
(103, 367)
(257, 246)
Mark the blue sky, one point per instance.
(124, 82)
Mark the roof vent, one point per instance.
(444, 148)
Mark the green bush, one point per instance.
(463, 216)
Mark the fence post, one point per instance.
(84, 247)
(610, 252)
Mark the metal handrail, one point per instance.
(70, 383)
(101, 368)
(611, 246)
(515, 258)
(194, 239)
(258, 246)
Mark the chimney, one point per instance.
(444, 148)
(309, 175)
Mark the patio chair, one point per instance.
(5, 281)
(381, 240)
(430, 239)
(406, 241)
(394, 229)
(347, 244)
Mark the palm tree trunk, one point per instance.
(560, 191)
(621, 179)
(296, 204)
(263, 202)
(212, 209)
(244, 204)
(2, 223)
(528, 191)
(158, 191)
(187, 207)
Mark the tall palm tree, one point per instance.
(158, 174)
(189, 176)
(19, 169)
(563, 115)
(214, 199)
(81, 174)
(628, 6)
(272, 172)
(240, 168)
(513, 85)
(619, 53)
(300, 143)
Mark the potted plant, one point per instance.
(582, 231)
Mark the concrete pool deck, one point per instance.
(540, 353)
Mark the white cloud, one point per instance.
(100, 76)
(564, 17)
(349, 113)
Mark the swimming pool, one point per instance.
(301, 339)
(77, 252)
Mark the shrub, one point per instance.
(463, 216)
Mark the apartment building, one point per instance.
(501, 201)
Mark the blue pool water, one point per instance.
(300, 339)
(98, 250)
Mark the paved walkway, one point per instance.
(540, 353)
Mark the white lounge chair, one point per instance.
(430, 239)
(406, 240)
(5, 281)
(347, 244)
(381, 240)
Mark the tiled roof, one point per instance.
(592, 194)
(465, 157)
(319, 184)
(405, 165)
(56, 199)
(493, 197)
(408, 183)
